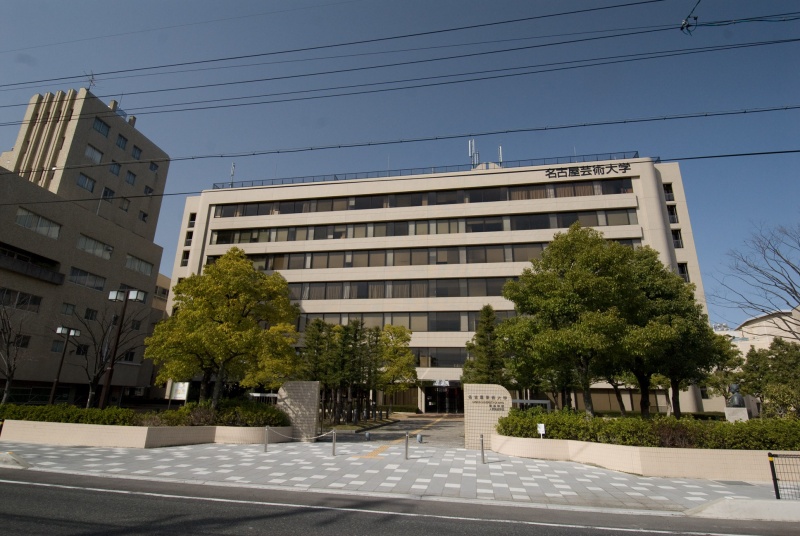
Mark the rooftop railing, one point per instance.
(553, 161)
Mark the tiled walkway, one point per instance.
(381, 468)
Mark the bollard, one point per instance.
(366, 434)
(334, 444)
(266, 438)
(419, 438)
(483, 457)
(406, 445)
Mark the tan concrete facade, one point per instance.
(77, 223)
(427, 251)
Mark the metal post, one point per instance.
(406, 445)
(68, 332)
(334, 443)
(774, 476)
(266, 438)
(483, 457)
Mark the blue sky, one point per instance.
(728, 197)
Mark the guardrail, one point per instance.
(785, 470)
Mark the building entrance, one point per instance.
(444, 397)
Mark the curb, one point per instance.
(9, 460)
(748, 509)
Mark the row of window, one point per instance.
(15, 299)
(39, 224)
(122, 142)
(57, 346)
(398, 289)
(518, 222)
(439, 197)
(416, 322)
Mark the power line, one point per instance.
(354, 145)
(349, 43)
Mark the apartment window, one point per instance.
(90, 314)
(522, 193)
(95, 247)
(128, 356)
(484, 225)
(124, 204)
(672, 212)
(526, 222)
(38, 224)
(153, 166)
(683, 271)
(130, 177)
(136, 325)
(185, 258)
(86, 183)
(138, 265)
(486, 195)
(67, 308)
(617, 186)
(86, 279)
(677, 238)
(22, 341)
(192, 219)
(448, 197)
(108, 194)
(115, 168)
(618, 217)
(143, 216)
(444, 321)
(446, 226)
(136, 153)
(93, 154)
(447, 256)
(188, 240)
(20, 300)
(122, 141)
(148, 190)
(669, 195)
(101, 126)
(526, 252)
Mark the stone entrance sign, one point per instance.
(483, 407)
(300, 401)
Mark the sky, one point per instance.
(279, 75)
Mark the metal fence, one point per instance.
(785, 475)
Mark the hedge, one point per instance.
(755, 434)
(227, 414)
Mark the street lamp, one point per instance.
(67, 332)
(123, 296)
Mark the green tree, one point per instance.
(485, 364)
(773, 374)
(398, 369)
(232, 321)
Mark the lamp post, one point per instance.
(67, 332)
(124, 296)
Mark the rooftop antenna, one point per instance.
(233, 172)
(90, 76)
(500, 155)
(474, 157)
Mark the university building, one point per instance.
(80, 194)
(427, 249)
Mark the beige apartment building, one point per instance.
(80, 194)
(426, 249)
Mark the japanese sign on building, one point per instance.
(588, 171)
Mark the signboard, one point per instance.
(178, 390)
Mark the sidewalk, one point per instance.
(438, 473)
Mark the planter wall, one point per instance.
(745, 465)
(98, 435)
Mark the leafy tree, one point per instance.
(232, 321)
(485, 364)
(398, 369)
(773, 374)
(727, 370)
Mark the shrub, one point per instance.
(70, 414)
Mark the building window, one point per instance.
(128, 356)
(39, 224)
(124, 203)
(136, 153)
(19, 300)
(114, 168)
(93, 154)
(122, 141)
(192, 219)
(153, 166)
(138, 265)
(81, 349)
(67, 308)
(95, 247)
(90, 314)
(185, 258)
(86, 183)
(161, 293)
(57, 346)
(86, 279)
(148, 190)
(683, 271)
(22, 341)
(136, 325)
(188, 240)
(669, 195)
(101, 126)
(130, 177)
(108, 194)
(672, 212)
(143, 216)
(677, 239)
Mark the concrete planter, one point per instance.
(142, 437)
(709, 464)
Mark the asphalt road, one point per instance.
(62, 504)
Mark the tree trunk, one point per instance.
(204, 382)
(92, 392)
(618, 395)
(6, 390)
(676, 395)
(587, 400)
(218, 385)
(644, 390)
